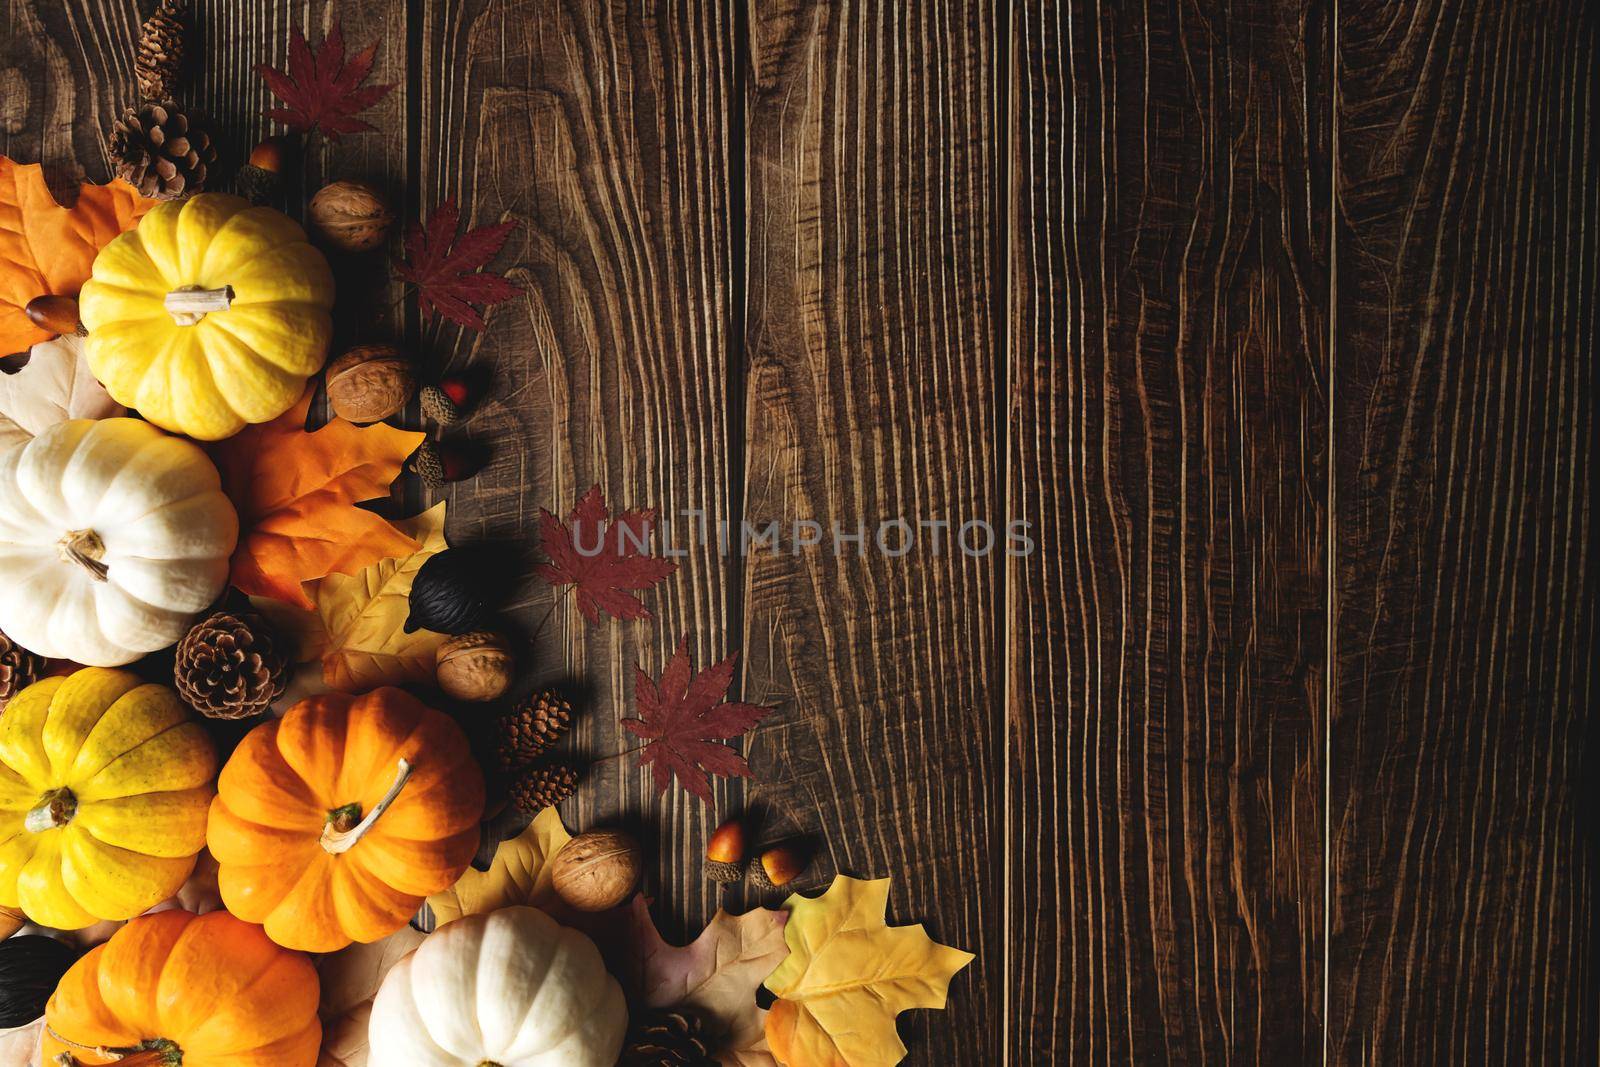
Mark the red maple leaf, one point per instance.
(682, 716)
(322, 90)
(605, 563)
(448, 270)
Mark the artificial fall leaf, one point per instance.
(605, 563)
(20, 1047)
(717, 975)
(322, 90)
(848, 975)
(448, 270)
(296, 494)
(363, 616)
(54, 385)
(519, 874)
(48, 249)
(350, 979)
(683, 715)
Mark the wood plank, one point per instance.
(1467, 253)
(870, 371)
(1167, 440)
(603, 129)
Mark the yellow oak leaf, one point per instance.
(848, 975)
(363, 616)
(520, 874)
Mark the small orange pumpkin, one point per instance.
(335, 822)
(175, 987)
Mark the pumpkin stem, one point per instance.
(189, 304)
(84, 548)
(54, 810)
(339, 835)
(156, 1052)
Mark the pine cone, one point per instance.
(229, 666)
(160, 152)
(19, 668)
(160, 59)
(527, 731)
(542, 787)
(667, 1037)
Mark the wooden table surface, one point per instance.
(1276, 320)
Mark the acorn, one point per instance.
(445, 400)
(350, 216)
(369, 383)
(260, 181)
(474, 666)
(447, 595)
(439, 462)
(725, 853)
(58, 314)
(777, 866)
(596, 870)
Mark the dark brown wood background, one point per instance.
(1277, 322)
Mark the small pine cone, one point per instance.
(542, 787)
(527, 731)
(437, 405)
(19, 668)
(669, 1037)
(159, 63)
(230, 667)
(160, 152)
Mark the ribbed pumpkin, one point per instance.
(333, 823)
(210, 315)
(178, 988)
(112, 535)
(104, 786)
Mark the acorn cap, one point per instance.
(437, 405)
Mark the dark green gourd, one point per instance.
(30, 967)
(447, 595)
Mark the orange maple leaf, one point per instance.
(48, 249)
(296, 494)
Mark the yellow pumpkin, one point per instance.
(104, 786)
(210, 315)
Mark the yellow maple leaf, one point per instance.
(848, 975)
(363, 616)
(520, 874)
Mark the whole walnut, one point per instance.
(474, 666)
(369, 383)
(350, 216)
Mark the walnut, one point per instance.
(350, 216)
(369, 383)
(596, 870)
(474, 666)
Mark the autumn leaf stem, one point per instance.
(617, 755)
(551, 610)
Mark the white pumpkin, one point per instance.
(511, 988)
(113, 535)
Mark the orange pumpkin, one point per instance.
(174, 987)
(333, 823)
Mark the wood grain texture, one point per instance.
(66, 69)
(871, 361)
(603, 129)
(1463, 809)
(1168, 416)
